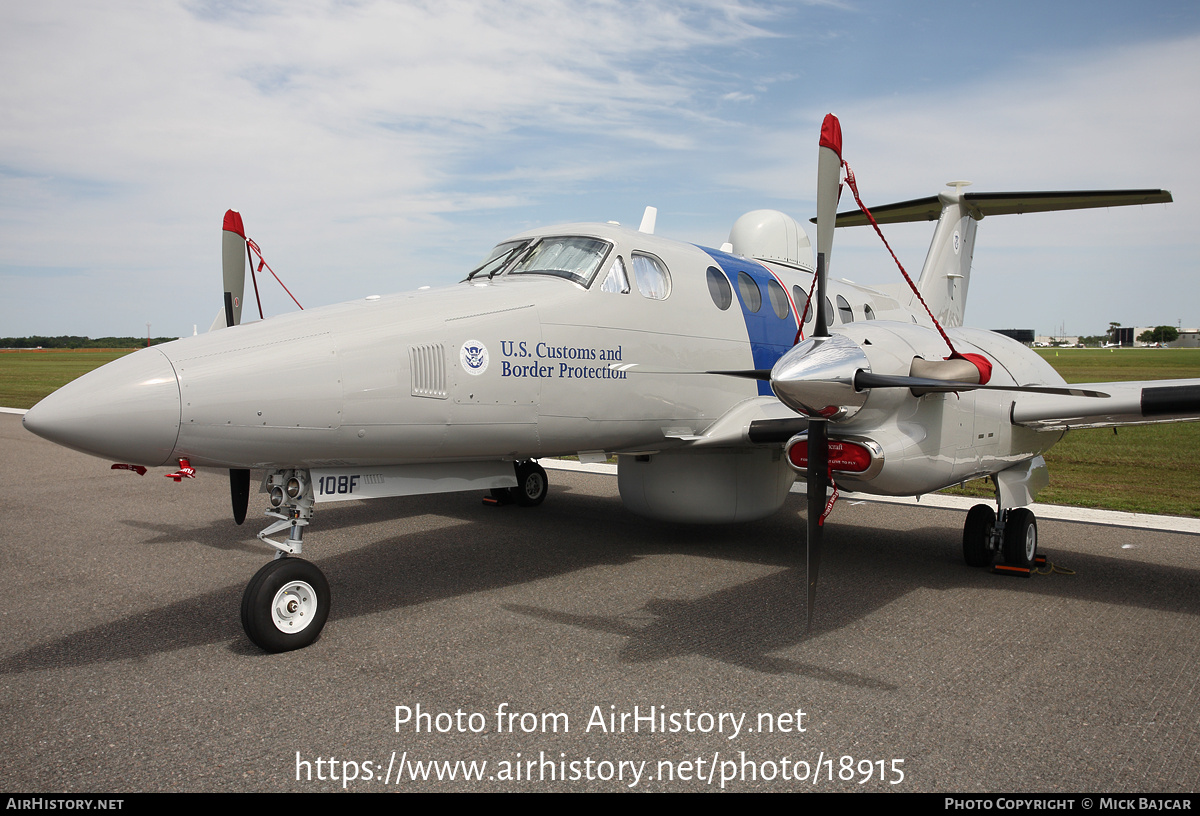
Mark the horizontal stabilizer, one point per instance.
(983, 204)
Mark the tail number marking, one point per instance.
(330, 485)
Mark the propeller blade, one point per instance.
(233, 266)
(748, 374)
(865, 379)
(829, 175)
(818, 480)
(239, 491)
(745, 373)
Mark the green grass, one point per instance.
(1109, 365)
(27, 376)
(1144, 469)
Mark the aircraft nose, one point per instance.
(127, 411)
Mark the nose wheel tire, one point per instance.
(532, 484)
(1020, 537)
(285, 605)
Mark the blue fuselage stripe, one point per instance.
(770, 336)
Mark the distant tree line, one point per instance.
(73, 342)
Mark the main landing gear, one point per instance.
(1014, 536)
(532, 486)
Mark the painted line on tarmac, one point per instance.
(1050, 512)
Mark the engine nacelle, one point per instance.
(712, 487)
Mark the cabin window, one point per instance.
(778, 297)
(828, 310)
(801, 298)
(651, 275)
(572, 257)
(616, 280)
(868, 312)
(719, 288)
(751, 296)
(845, 313)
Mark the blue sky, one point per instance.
(374, 147)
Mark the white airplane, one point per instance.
(594, 339)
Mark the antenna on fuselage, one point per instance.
(648, 219)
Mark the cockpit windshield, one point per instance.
(499, 258)
(572, 257)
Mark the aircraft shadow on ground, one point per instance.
(489, 548)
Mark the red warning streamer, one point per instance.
(261, 263)
(980, 362)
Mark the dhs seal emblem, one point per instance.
(473, 356)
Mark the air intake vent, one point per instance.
(428, 365)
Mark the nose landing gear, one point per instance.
(285, 605)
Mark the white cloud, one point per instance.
(343, 129)
(1107, 119)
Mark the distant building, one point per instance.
(1056, 340)
(1020, 335)
(1188, 338)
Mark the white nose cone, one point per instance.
(126, 411)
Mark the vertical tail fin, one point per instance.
(947, 270)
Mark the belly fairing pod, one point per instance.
(708, 488)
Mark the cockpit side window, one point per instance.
(616, 280)
(572, 257)
(653, 280)
(498, 259)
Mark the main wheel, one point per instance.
(977, 534)
(1020, 537)
(285, 605)
(532, 484)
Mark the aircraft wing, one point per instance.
(758, 421)
(1129, 403)
(983, 204)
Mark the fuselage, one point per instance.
(531, 362)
